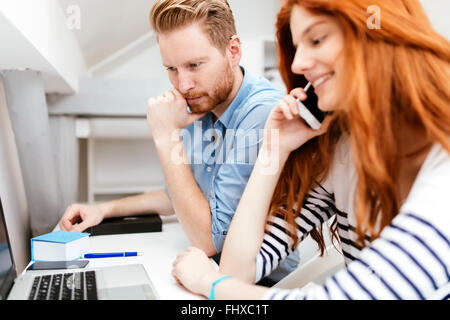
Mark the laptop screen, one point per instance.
(7, 269)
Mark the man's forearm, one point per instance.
(152, 202)
(190, 204)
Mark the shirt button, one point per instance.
(208, 169)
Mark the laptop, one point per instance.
(125, 282)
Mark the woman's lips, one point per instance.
(322, 80)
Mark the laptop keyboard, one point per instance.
(65, 286)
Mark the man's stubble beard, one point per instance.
(220, 93)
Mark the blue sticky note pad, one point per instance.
(61, 236)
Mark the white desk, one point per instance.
(159, 252)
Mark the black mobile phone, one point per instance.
(53, 265)
(309, 110)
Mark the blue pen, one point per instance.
(111, 254)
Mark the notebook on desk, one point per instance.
(125, 282)
(123, 225)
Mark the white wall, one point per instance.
(439, 11)
(35, 36)
(255, 17)
(12, 191)
(142, 64)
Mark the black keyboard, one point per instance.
(65, 286)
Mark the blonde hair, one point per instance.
(215, 16)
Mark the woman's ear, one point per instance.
(235, 50)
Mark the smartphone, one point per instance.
(309, 110)
(53, 265)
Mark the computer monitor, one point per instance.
(7, 268)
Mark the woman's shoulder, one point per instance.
(431, 189)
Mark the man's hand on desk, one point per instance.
(78, 217)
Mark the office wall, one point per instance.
(255, 18)
(438, 11)
(12, 191)
(34, 36)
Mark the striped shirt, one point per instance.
(410, 259)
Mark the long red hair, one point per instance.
(399, 73)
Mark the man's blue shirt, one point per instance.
(222, 153)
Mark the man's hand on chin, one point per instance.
(167, 114)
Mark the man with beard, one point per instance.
(217, 107)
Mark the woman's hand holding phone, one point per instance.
(292, 130)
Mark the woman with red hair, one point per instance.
(378, 171)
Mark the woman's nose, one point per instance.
(303, 62)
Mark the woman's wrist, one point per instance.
(207, 282)
(272, 159)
